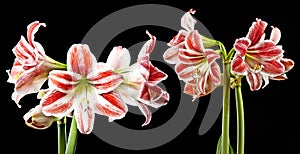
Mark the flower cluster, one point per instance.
(84, 87)
(253, 56)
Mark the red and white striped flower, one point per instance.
(84, 89)
(197, 66)
(258, 58)
(31, 66)
(140, 86)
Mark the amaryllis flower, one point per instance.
(188, 24)
(197, 66)
(35, 118)
(140, 87)
(258, 58)
(31, 65)
(83, 89)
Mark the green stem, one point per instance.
(61, 135)
(72, 140)
(226, 109)
(240, 118)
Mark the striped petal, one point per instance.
(25, 53)
(148, 47)
(80, 59)
(118, 58)
(254, 80)
(241, 45)
(63, 81)
(215, 73)
(211, 55)
(31, 80)
(190, 56)
(146, 112)
(193, 41)
(156, 75)
(56, 103)
(185, 72)
(35, 118)
(275, 35)
(256, 31)
(273, 68)
(15, 72)
(266, 51)
(187, 21)
(32, 29)
(105, 81)
(288, 64)
(178, 39)
(111, 105)
(238, 65)
(170, 55)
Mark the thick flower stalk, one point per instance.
(140, 86)
(31, 66)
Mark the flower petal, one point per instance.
(25, 53)
(56, 103)
(84, 115)
(185, 72)
(288, 64)
(105, 81)
(256, 31)
(111, 105)
(238, 65)
(15, 72)
(31, 80)
(187, 21)
(215, 73)
(273, 68)
(211, 55)
(63, 81)
(80, 59)
(118, 58)
(241, 45)
(178, 39)
(275, 35)
(170, 55)
(156, 75)
(193, 41)
(187, 56)
(254, 80)
(146, 112)
(32, 29)
(148, 47)
(265, 51)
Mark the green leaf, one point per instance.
(231, 151)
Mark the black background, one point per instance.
(271, 114)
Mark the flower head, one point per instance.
(258, 58)
(31, 65)
(195, 62)
(84, 89)
(140, 87)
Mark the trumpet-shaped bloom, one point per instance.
(140, 87)
(258, 58)
(84, 89)
(188, 24)
(197, 66)
(31, 65)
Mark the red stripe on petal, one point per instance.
(241, 45)
(25, 53)
(159, 97)
(106, 81)
(144, 93)
(156, 75)
(288, 64)
(254, 80)
(177, 39)
(211, 55)
(52, 97)
(185, 72)
(80, 60)
(256, 31)
(266, 50)
(215, 74)
(146, 112)
(61, 80)
(32, 29)
(85, 118)
(194, 41)
(273, 68)
(238, 65)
